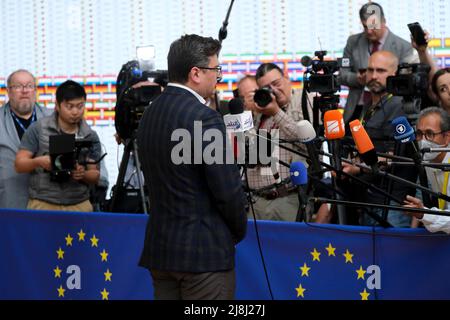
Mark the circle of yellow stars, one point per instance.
(331, 251)
(94, 244)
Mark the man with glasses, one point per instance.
(15, 118)
(432, 131)
(197, 206)
(33, 156)
(275, 200)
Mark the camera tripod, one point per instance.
(120, 191)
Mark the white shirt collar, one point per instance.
(178, 85)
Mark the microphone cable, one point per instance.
(258, 239)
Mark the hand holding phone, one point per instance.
(418, 34)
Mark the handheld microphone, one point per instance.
(308, 136)
(334, 125)
(364, 144)
(238, 120)
(299, 178)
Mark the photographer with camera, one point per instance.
(277, 106)
(71, 194)
(375, 37)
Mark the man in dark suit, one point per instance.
(197, 208)
(361, 46)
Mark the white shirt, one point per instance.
(432, 222)
(199, 97)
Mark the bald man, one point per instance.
(376, 118)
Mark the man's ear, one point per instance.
(194, 75)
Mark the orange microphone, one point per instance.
(363, 143)
(334, 125)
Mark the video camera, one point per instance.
(411, 80)
(65, 152)
(322, 74)
(132, 100)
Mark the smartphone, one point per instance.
(417, 33)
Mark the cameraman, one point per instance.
(276, 201)
(32, 157)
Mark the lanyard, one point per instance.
(442, 202)
(17, 120)
(371, 111)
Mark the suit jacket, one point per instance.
(13, 185)
(357, 49)
(197, 211)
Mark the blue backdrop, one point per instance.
(55, 255)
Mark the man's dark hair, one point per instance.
(266, 68)
(366, 11)
(436, 76)
(69, 90)
(187, 52)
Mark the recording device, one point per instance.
(411, 80)
(364, 144)
(322, 74)
(418, 34)
(65, 152)
(299, 178)
(263, 96)
(133, 100)
(238, 120)
(308, 137)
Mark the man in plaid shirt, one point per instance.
(277, 201)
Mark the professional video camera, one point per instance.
(132, 99)
(411, 83)
(65, 152)
(321, 77)
(411, 80)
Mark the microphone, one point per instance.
(364, 144)
(223, 31)
(308, 137)
(299, 178)
(238, 120)
(404, 133)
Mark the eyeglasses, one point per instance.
(429, 135)
(218, 70)
(21, 87)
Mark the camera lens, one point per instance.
(263, 97)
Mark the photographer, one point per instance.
(32, 157)
(276, 201)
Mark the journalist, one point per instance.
(275, 200)
(33, 155)
(15, 118)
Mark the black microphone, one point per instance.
(223, 31)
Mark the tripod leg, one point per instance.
(139, 177)
(121, 177)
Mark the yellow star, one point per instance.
(108, 275)
(57, 272)
(104, 255)
(69, 240)
(60, 254)
(348, 257)
(61, 291)
(330, 250)
(364, 295)
(361, 272)
(305, 270)
(81, 235)
(105, 294)
(316, 255)
(300, 291)
(94, 241)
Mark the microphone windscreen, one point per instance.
(403, 130)
(362, 140)
(307, 132)
(334, 125)
(306, 61)
(299, 173)
(236, 106)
